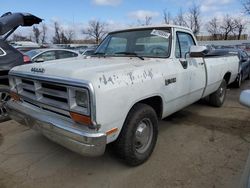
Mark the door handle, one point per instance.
(201, 63)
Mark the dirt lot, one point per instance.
(200, 146)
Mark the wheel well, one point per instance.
(156, 103)
(227, 77)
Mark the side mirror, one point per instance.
(39, 60)
(198, 51)
(245, 98)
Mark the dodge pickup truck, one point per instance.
(136, 77)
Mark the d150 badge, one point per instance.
(170, 81)
(37, 70)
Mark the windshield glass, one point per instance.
(32, 53)
(144, 43)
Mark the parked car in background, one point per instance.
(25, 46)
(10, 56)
(244, 63)
(244, 67)
(88, 52)
(42, 55)
(80, 49)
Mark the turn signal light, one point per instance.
(79, 118)
(14, 96)
(112, 131)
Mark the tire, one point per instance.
(239, 81)
(4, 97)
(218, 97)
(138, 136)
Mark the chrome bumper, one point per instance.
(58, 129)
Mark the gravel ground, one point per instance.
(200, 146)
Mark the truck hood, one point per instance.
(88, 69)
(10, 21)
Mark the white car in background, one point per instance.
(41, 55)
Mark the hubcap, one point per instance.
(143, 135)
(4, 97)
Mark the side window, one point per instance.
(183, 43)
(65, 54)
(47, 56)
(177, 49)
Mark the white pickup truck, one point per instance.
(136, 77)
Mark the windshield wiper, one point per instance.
(131, 53)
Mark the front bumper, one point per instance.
(58, 129)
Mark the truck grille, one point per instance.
(52, 95)
(48, 96)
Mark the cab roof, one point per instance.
(153, 27)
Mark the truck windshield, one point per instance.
(139, 43)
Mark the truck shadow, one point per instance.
(233, 126)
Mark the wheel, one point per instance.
(239, 81)
(138, 136)
(218, 97)
(4, 97)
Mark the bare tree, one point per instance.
(194, 19)
(70, 35)
(228, 26)
(61, 36)
(166, 16)
(43, 33)
(240, 26)
(96, 30)
(246, 6)
(57, 37)
(36, 33)
(213, 27)
(180, 19)
(148, 20)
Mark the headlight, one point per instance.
(79, 101)
(82, 99)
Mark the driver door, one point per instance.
(192, 70)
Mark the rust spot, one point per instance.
(131, 76)
(110, 80)
(145, 74)
(150, 74)
(104, 79)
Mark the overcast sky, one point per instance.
(118, 13)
